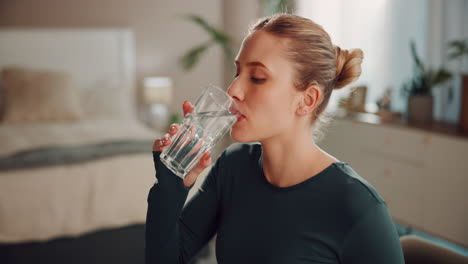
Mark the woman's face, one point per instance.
(263, 89)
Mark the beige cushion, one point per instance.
(419, 251)
(39, 96)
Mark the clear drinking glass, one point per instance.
(213, 116)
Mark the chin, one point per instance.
(238, 136)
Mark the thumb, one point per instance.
(187, 107)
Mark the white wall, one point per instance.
(238, 16)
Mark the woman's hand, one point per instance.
(161, 143)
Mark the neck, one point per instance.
(293, 158)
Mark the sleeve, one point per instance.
(373, 239)
(174, 233)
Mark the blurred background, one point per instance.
(86, 86)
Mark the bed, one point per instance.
(75, 162)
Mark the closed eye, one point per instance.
(256, 80)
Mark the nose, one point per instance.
(235, 91)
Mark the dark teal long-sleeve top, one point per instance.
(332, 217)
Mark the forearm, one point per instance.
(165, 202)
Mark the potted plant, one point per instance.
(459, 51)
(419, 89)
(223, 40)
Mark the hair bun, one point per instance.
(348, 66)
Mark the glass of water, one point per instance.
(214, 114)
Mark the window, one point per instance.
(383, 30)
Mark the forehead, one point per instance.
(264, 47)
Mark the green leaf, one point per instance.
(190, 59)
(215, 34)
(416, 58)
(217, 37)
(439, 77)
(458, 48)
(434, 78)
(201, 22)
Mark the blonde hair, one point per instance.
(316, 59)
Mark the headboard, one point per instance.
(96, 58)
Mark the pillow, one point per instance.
(106, 103)
(38, 96)
(2, 99)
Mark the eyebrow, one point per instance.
(254, 63)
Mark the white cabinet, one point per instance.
(446, 188)
(422, 176)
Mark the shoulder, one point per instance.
(355, 196)
(355, 185)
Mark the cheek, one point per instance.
(276, 106)
(264, 109)
(269, 115)
(271, 107)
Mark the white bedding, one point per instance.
(67, 200)
(60, 201)
(18, 137)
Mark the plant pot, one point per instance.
(420, 109)
(464, 104)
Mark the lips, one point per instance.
(240, 118)
(237, 112)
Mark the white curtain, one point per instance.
(448, 20)
(383, 29)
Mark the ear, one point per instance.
(309, 100)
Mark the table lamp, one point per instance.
(157, 94)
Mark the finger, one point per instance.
(165, 140)
(157, 145)
(197, 147)
(187, 107)
(204, 162)
(173, 129)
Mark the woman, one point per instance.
(284, 200)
